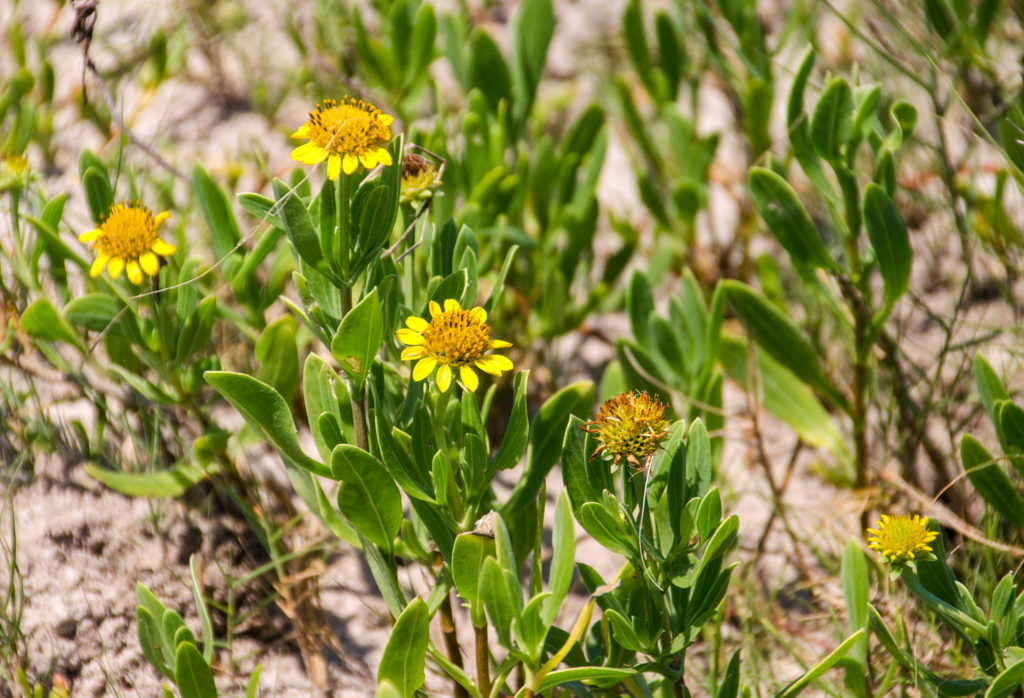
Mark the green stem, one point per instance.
(483, 664)
(24, 270)
(342, 233)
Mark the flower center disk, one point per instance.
(457, 337)
(127, 232)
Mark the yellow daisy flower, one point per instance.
(127, 240)
(346, 135)
(629, 425)
(453, 338)
(901, 538)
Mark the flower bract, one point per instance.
(902, 538)
(127, 240)
(15, 173)
(345, 135)
(453, 339)
(629, 426)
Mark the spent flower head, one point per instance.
(902, 538)
(346, 135)
(630, 426)
(127, 240)
(452, 339)
(420, 178)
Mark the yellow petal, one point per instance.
(451, 304)
(308, 154)
(444, 377)
(134, 271)
(302, 131)
(498, 344)
(410, 353)
(334, 164)
(90, 235)
(98, 264)
(416, 323)
(407, 336)
(435, 309)
(384, 157)
(478, 314)
(494, 364)
(350, 163)
(162, 248)
(368, 159)
(161, 217)
(469, 378)
(423, 368)
(149, 263)
(116, 267)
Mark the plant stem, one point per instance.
(341, 245)
(451, 641)
(483, 666)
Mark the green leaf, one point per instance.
(319, 385)
(192, 675)
(267, 412)
(517, 433)
(254, 682)
(730, 685)
(640, 304)
(216, 209)
(150, 639)
(563, 559)
(606, 529)
(498, 600)
(488, 70)
(42, 321)
(204, 612)
(788, 220)
(1008, 681)
(779, 336)
(261, 208)
(623, 631)
(468, 557)
(298, 225)
(698, 461)
(359, 338)
(854, 574)
(368, 497)
(585, 478)
(833, 120)
(98, 193)
(532, 31)
(989, 480)
(582, 674)
(278, 354)
(196, 331)
(404, 661)
(812, 675)
(990, 388)
(888, 235)
(160, 483)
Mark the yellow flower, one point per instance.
(901, 538)
(420, 179)
(15, 173)
(629, 425)
(453, 338)
(127, 239)
(345, 135)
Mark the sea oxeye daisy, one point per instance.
(420, 179)
(452, 339)
(127, 240)
(902, 538)
(346, 135)
(630, 426)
